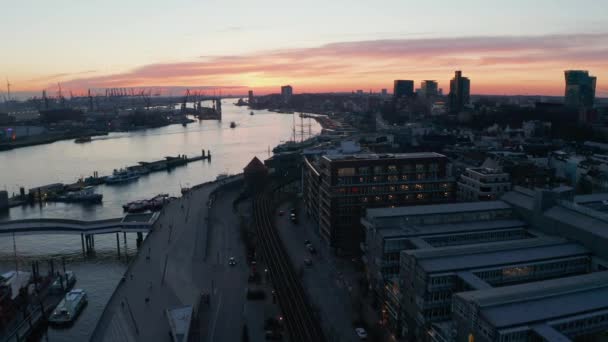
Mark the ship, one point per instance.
(86, 195)
(232, 124)
(69, 308)
(122, 176)
(82, 140)
(251, 113)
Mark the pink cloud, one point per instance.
(493, 61)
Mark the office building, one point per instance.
(429, 88)
(286, 93)
(403, 88)
(384, 92)
(429, 277)
(340, 187)
(251, 98)
(482, 184)
(564, 309)
(388, 232)
(460, 92)
(580, 89)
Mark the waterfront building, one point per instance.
(3, 199)
(460, 92)
(403, 88)
(339, 187)
(251, 99)
(563, 309)
(429, 88)
(482, 184)
(580, 89)
(286, 93)
(255, 175)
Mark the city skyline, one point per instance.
(514, 48)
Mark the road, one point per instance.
(328, 284)
(184, 255)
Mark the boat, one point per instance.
(87, 194)
(154, 204)
(222, 176)
(82, 140)
(69, 308)
(63, 283)
(122, 176)
(232, 124)
(251, 113)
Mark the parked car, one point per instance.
(231, 261)
(311, 249)
(308, 262)
(306, 242)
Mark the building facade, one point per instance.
(460, 92)
(429, 88)
(286, 93)
(482, 184)
(340, 187)
(403, 88)
(580, 89)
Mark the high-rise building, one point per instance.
(251, 98)
(286, 92)
(429, 88)
(384, 92)
(344, 185)
(460, 92)
(403, 88)
(580, 89)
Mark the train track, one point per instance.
(300, 320)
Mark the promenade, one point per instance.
(185, 254)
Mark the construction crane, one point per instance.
(8, 89)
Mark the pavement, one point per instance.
(186, 254)
(331, 283)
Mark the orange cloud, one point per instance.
(494, 64)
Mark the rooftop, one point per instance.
(450, 228)
(436, 209)
(541, 301)
(487, 171)
(469, 257)
(375, 156)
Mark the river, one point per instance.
(65, 162)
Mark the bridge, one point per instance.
(130, 223)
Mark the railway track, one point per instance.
(300, 320)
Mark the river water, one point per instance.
(65, 162)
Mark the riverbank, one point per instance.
(47, 139)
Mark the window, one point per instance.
(348, 171)
(392, 169)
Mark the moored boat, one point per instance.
(122, 176)
(232, 124)
(69, 308)
(63, 282)
(82, 140)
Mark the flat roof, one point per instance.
(382, 156)
(143, 218)
(450, 228)
(435, 209)
(470, 257)
(541, 301)
(487, 171)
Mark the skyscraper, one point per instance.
(403, 88)
(286, 92)
(580, 89)
(460, 92)
(428, 88)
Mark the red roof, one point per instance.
(255, 165)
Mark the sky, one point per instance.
(504, 47)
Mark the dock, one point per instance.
(46, 192)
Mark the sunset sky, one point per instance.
(505, 47)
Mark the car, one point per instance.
(308, 262)
(306, 242)
(232, 261)
(311, 249)
(281, 212)
(361, 333)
